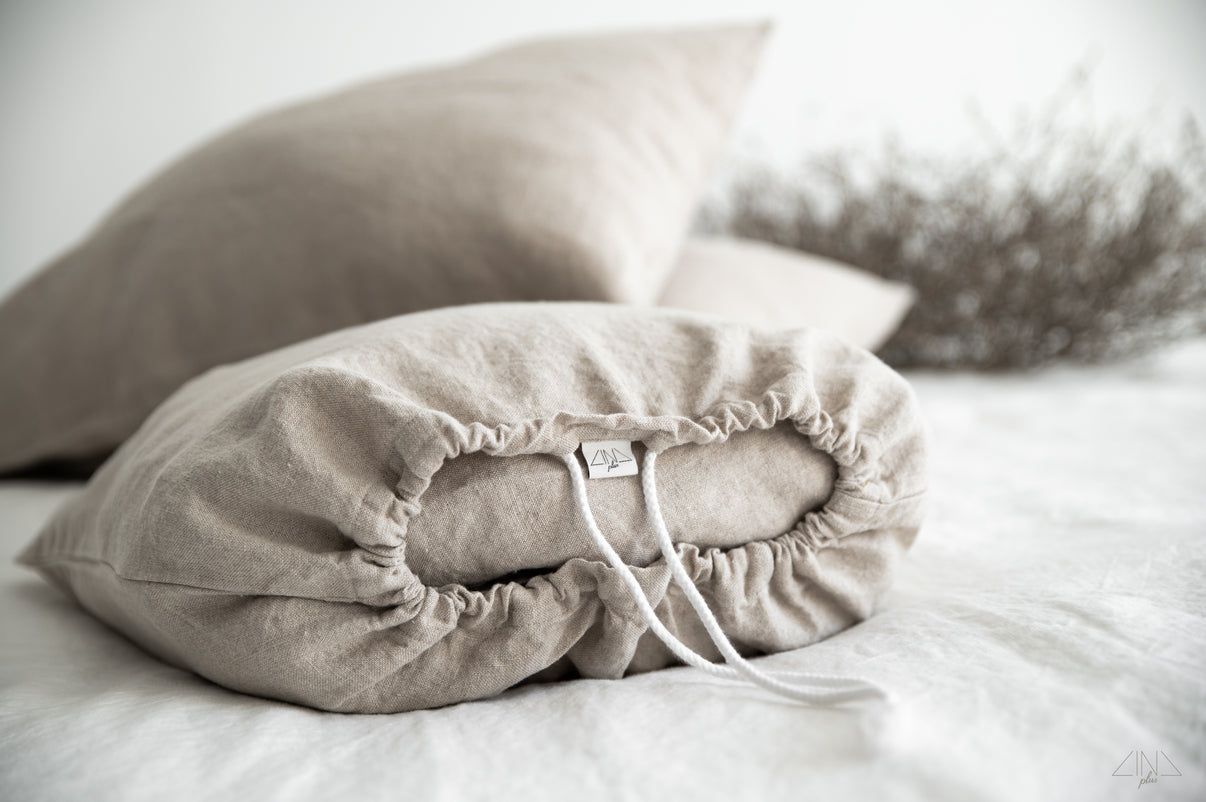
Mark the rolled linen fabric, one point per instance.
(382, 519)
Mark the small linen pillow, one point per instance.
(766, 285)
(394, 517)
(562, 169)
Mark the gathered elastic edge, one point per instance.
(723, 420)
(852, 500)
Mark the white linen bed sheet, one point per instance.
(1048, 625)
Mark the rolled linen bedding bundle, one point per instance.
(399, 515)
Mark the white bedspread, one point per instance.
(1046, 634)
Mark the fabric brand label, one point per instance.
(608, 458)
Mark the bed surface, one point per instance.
(1047, 627)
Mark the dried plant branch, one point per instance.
(1059, 244)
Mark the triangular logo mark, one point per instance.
(1138, 763)
(608, 458)
(611, 457)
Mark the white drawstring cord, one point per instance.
(826, 690)
(680, 649)
(842, 689)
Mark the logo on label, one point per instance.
(608, 458)
(1149, 767)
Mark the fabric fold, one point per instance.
(257, 530)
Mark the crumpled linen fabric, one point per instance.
(256, 528)
(1047, 623)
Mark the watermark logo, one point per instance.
(1149, 767)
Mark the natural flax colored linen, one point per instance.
(378, 520)
(766, 285)
(565, 169)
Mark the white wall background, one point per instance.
(96, 94)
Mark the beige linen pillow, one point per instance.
(383, 518)
(563, 169)
(766, 285)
